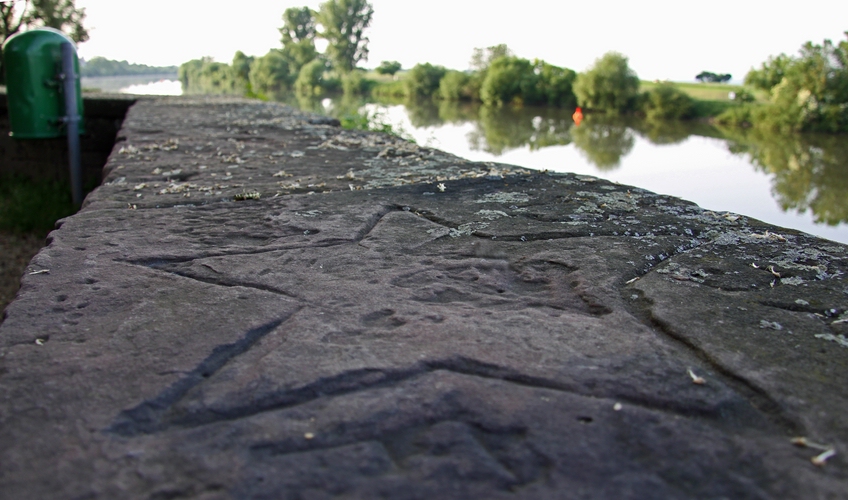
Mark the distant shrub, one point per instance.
(388, 67)
(666, 102)
(509, 80)
(355, 83)
(241, 71)
(555, 85)
(456, 86)
(310, 79)
(423, 80)
(737, 116)
(610, 85)
(389, 89)
(743, 95)
(270, 74)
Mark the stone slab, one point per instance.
(384, 320)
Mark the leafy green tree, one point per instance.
(610, 85)
(555, 86)
(708, 76)
(515, 80)
(298, 25)
(667, 102)
(241, 64)
(62, 15)
(481, 58)
(241, 71)
(187, 73)
(355, 83)
(343, 24)
(310, 79)
(771, 72)
(270, 75)
(299, 32)
(388, 67)
(423, 80)
(812, 93)
(454, 86)
(509, 80)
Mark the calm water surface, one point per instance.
(794, 181)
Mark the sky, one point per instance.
(672, 40)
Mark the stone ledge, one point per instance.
(373, 318)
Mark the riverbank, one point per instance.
(256, 302)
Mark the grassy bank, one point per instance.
(709, 99)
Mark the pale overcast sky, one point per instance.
(663, 39)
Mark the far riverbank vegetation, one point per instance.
(808, 92)
(100, 66)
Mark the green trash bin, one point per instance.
(33, 62)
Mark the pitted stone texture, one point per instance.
(515, 336)
(216, 152)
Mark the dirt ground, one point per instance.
(16, 250)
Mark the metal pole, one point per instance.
(72, 118)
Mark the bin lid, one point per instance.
(36, 38)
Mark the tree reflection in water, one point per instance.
(603, 140)
(500, 129)
(810, 171)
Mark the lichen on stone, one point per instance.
(511, 197)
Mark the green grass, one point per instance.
(708, 91)
(33, 206)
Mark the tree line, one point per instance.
(497, 77)
(100, 66)
(297, 66)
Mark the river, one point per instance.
(796, 181)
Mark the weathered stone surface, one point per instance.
(512, 334)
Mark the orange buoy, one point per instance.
(577, 116)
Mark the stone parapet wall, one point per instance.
(257, 303)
